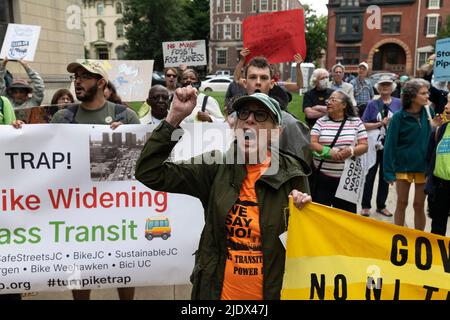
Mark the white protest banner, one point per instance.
(442, 61)
(191, 53)
(20, 42)
(73, 216)
(132, 78)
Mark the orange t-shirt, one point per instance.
(243, 278)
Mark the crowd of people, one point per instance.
(406, 138)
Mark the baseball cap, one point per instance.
(91, 66)
(364, 64)
(19, 84)
(262, 99)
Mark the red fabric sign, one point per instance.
(278, 36)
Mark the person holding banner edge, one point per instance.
(228, 189)
(90, 80)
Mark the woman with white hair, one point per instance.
(314, 101)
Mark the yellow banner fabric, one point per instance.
(336, 255)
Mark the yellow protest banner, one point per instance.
(336, 255)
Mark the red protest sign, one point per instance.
(278, 36)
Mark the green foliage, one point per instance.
(445, 30)
(316, 34)
(149, 23)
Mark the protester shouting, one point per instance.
(248, 192)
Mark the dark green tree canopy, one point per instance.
(316, 34)
(150, 23)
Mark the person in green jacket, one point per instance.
(240, 255)
(405, 149)
(7, 115)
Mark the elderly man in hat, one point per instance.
(376, 119)
(246, 191)
(23, 96)
(362, 88)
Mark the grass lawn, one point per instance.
(295, 106)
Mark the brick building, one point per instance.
(226, 39)
(390, 35)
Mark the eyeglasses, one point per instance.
(171, 75)
(259, 115)
(83, 77)
(331, 100)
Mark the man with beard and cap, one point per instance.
(90, 79)
(257, 187)
(158, 99)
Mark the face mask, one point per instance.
(323, 83)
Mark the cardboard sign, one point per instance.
(278, 36)
(132, 78)
(20, 42)
(191, 53)
(442, 61)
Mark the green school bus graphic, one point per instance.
(157, 227)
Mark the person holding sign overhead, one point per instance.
(288, 85)
(24, 97)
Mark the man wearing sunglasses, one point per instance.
(240, 255)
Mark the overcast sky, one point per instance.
(318, 5)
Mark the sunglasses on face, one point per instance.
(169, 75)
(259, 115)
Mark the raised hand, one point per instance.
(298, 58)
(184, 101)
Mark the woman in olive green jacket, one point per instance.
(218, 187)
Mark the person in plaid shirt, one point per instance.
(362, 88)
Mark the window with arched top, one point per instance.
(119, 8)
(120, 29)
(100, 29)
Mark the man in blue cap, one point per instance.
(244, 201)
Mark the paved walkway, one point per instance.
(183, 292)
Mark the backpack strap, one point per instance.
(205, 100)
(70, 112)
(120, 113)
